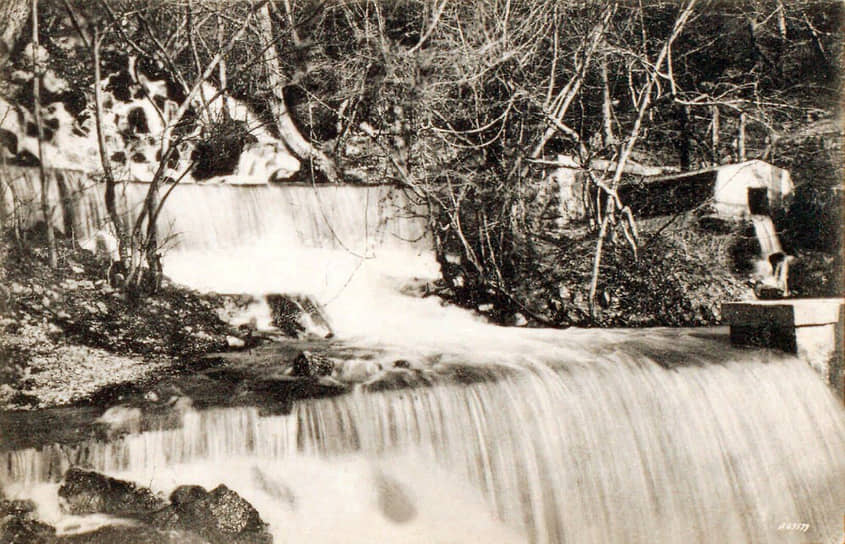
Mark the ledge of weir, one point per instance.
(811, 328)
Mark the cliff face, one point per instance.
(219, 136)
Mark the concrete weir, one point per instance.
(810, 328)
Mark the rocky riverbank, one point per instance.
(137, 515)
(65, 333)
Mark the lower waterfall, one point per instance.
(608, 442)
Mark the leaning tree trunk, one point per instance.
(288, 132)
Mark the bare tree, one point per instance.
(613, 204)
(139, 241)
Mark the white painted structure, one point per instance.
(729, 189)
(731, 183)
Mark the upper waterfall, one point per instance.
(351, 247)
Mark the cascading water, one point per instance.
(598, 444)
(572, 436)
(766, 234)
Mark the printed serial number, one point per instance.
(794, 526)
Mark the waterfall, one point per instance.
(348, 246)
(604, 445)
(582, 436)
(766, 234)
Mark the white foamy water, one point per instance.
(766, 234)
(611, 447)
(350, 247)
(582, 436)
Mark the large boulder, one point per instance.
(220, 516)
(85, 492)
(308, 364)
(299, 315)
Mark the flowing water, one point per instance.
(766, 234)
(627, 436)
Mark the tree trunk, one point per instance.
(741, 138)
(607, 107)
(123, 242)
(46, 210)
(13, 13)
(68, 215)
(684, 140)
(715, 137)
(299, 146)
(221, 70)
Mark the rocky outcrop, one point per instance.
(193, 514)
(84, 492)
(135, 93)
(220, 516)
(298, 316)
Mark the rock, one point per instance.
(397, 378)
(394, 500)
(519, 320)
(16, 507)
(202, 335)
(180, 404)
(232, 513)
(69, 284)
(17, 288)
(402, 363)
(328, 386)
(84, 492)
(120, 419)
(564, 293)
(234, 342)
(186, 494)
(7, 393)
(485, 307)
(311, 364)
(299, 315)
(76, 269)
(221, 516)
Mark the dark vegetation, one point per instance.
(77, 297)
(466, 104)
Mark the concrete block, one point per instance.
(810, 328)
